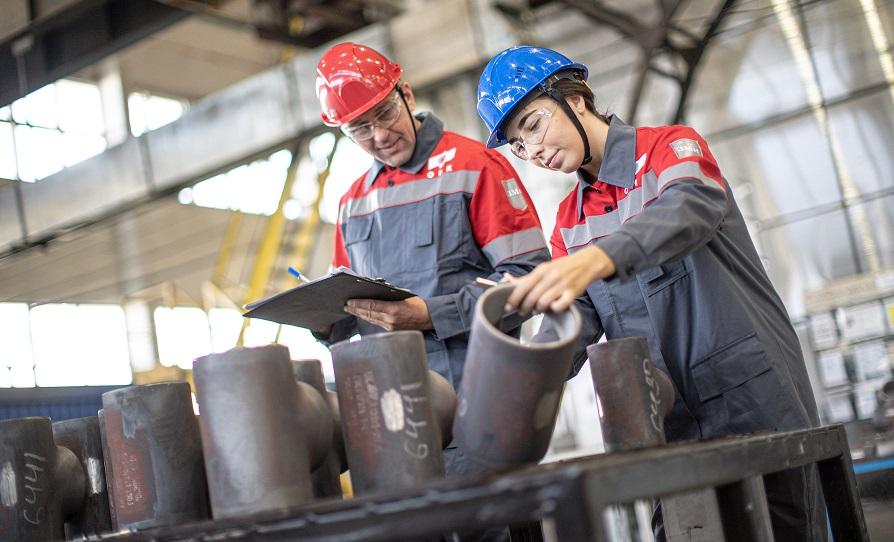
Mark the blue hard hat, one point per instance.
(512, 75)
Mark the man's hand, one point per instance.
(411, 313)
(555, 284)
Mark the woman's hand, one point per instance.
(555, 284)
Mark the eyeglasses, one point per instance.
(534, 126)
(387, 115)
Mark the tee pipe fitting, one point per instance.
(634, 396)
(82, 437)
(262, 431)
(153, 455)
(325, 478)
(396, 413)
(41, 484)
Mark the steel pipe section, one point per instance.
(510, 394)
(634, 396)
(40, 483)
(262, 431)
(153, 456)
(83, 438)
(393, 435)
(325, 477)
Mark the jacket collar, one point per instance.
(427, 137)
(618, 166)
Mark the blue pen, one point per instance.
(297, 274)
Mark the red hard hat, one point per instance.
(351, 79)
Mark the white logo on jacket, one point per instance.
(640, 163)
(437, 164)
(514, 193)
(684, 148)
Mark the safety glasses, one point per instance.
(534, 125)
(388, 113)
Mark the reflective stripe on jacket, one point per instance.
(454, 212)
(689, 280)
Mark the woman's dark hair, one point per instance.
(567, 84)
(568, 87)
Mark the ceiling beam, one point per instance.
(74, 37)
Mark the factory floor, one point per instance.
(879, 520)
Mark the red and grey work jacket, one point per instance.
(455, 211)
(689, 280)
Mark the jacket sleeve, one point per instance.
(507, 230)
(687, 206)
(346, 327)
(591, 326)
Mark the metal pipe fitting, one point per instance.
(153, 455)
(260, 430)
(325, 478)
(443, 405)
(510, 393)
(392, 436)
(634, 396)
(82, 437)
(40, 483)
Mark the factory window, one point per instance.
(256, 187)
(54, 127)
(79, 345)
(227, 323)
(148, 112)
(348, 164)
(63, 345)
(183, 335)
(225, 327)
(253, 188)
(302, 345)
(16, 357)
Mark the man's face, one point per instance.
(386, 131)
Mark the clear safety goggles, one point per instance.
(388, 113)
(533, 129)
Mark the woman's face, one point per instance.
(542, 133)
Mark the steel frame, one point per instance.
(684, 48)
(568, 498)
(56, 45)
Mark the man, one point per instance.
(435, 211)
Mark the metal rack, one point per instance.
(569, 499)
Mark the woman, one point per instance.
(651, 243)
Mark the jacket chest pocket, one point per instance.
(656, 279)
(362, 253)
(431, 235)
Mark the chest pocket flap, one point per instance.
(423, 222)
(659, 277)
(729, 367)
(358, 229)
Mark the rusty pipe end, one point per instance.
(510, 394)
(490, 310)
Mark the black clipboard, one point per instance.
(320, 303)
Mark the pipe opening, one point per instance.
(565, 326)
